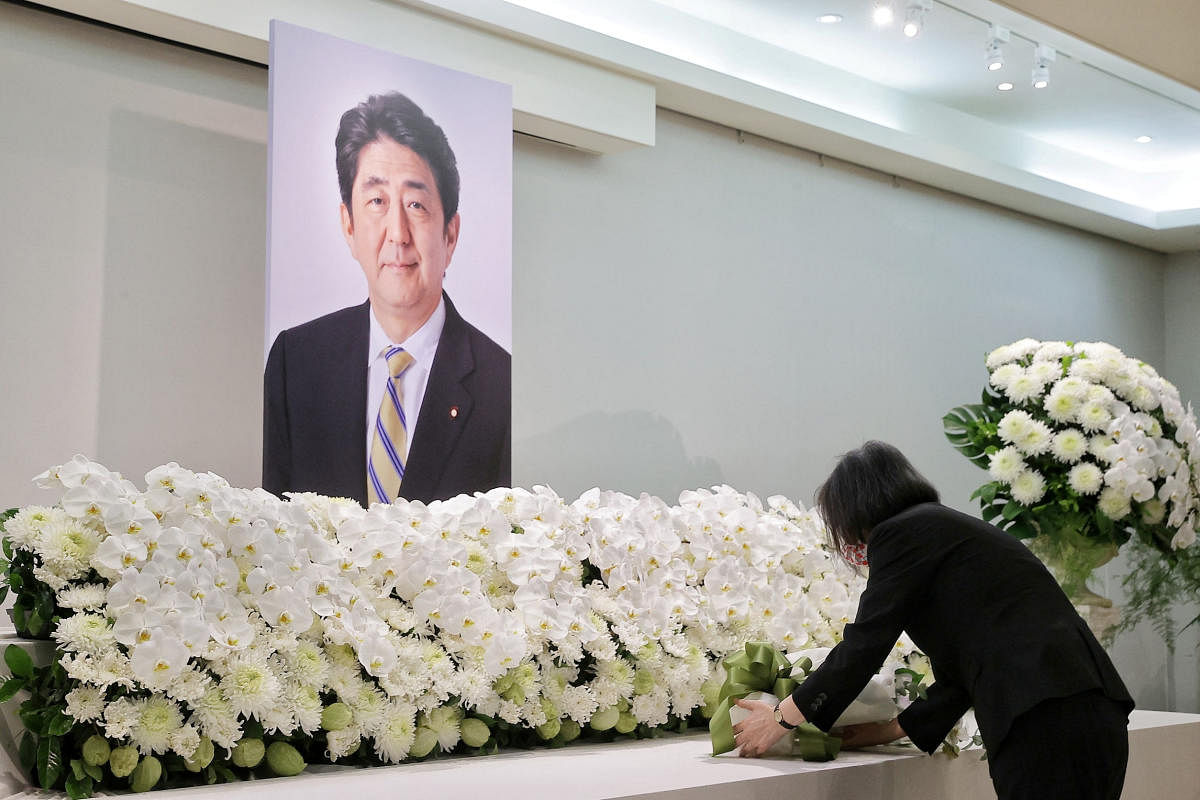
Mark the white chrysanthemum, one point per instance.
(85, 633)
(67, 547)
(1062, 406)
(184, 741)
(395, 737)
(1006, 464)
(1028, 487)
(308, 664)
(308, 707)
(340, 744)
(217, 718)
(24, 529)
(250, 685)
(1052, 352)
(83, 597)
(1014, 426)
(1069, 445)
(157, 718)
(1094, 415)
(1113, 503)
(1023, 387)
(1000, 355)
(86, 703)
(119, 718)
(1004, 375)
(1085, 479)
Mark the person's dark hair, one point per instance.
(868, 486)
(394, 116)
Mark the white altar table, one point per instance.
(1163, 764)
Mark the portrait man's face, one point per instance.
(396, 231)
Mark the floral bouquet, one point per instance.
(1085, 447)
(206, 633)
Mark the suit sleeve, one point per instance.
(277, 447)
(928, 721)
(901, 563)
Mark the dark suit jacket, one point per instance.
(1000, 633)
(315, 407)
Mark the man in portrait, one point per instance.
(398, 396)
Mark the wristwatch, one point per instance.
(779, 717)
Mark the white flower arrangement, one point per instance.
(194, 612)
(1085, 447)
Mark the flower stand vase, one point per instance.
(1073, 561)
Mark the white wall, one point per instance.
(706, 310)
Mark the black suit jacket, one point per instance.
(999, 632)
(315, 407)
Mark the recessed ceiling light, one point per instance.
(829, 19)
(1143, 140)
(1004, 87)
(883, 13)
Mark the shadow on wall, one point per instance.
(630, 451)
(183, 299)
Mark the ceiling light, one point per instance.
(883, 14)
(1004, 87)
(1043, 57)
(914, 16)
(997, 36)
(1143, 140)
(829, 19)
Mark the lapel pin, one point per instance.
(453, 412)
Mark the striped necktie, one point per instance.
(385, 469)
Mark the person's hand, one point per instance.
(756, 733)
(868, 733)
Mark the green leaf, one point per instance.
(78, 788)
(1012, 510)
(28, 752)
(18, 617)
(10, 688)
(6, 545)
(96, 773)
(60, 724)
(77, 768)
(1022, 530)
(18, 661)
(35, 624)
(49, 761)
(3, 593)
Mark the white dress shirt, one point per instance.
(422, 346)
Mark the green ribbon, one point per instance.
(760, 667)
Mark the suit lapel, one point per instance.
(444, 410)
(347, 403)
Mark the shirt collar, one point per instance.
(421, 345)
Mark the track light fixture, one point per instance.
(883, 14)
(1043, 57)
(914, 16)
(998, 36)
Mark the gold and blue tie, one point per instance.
(385, 469)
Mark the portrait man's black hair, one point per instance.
(394, 116)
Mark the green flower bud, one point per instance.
(202, 757)
(605, 718)
(248, 752)
(549, 729)
(122, 761)
(423, 742)
(336, 716)
(96, 751)
(626, 722)
(146, 774)
(475, 732)
(285, 760)
(569, 730)
(643, 681)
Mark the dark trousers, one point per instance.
(1066, 748)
